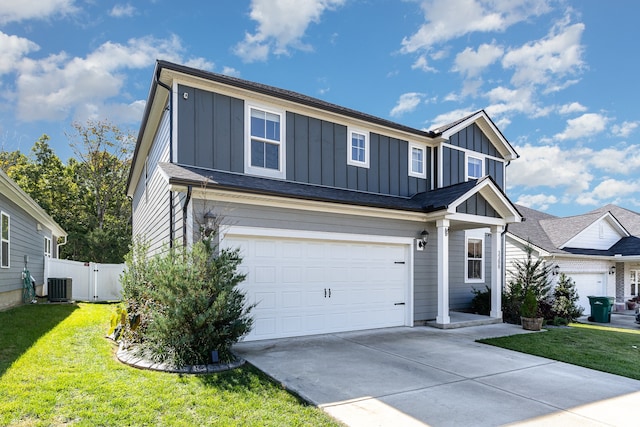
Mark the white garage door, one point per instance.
(309, 286)
(589, 284)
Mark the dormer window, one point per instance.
(264, 147)
(358, 148)
(474, 168)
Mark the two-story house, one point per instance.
(345, 221)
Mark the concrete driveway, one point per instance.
(426, 376)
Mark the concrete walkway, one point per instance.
(425, 376)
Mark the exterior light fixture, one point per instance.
(209, 223)
(422, 240)
(612, 269)
(556, 270)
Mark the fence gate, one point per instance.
(90, 281)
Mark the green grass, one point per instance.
(56, 368)
(603, 349)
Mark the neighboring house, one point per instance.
(331, 207)
(28, 235)
(599, 250)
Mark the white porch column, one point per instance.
(443, 272)
(497, 271)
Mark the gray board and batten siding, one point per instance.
(211, 136)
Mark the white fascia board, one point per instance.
(489, 128)
(541, 252)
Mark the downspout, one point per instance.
(184, 216)
(168, 88)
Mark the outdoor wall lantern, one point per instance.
(612, 269)
(209, 223)
(556, 270)
(422, 240)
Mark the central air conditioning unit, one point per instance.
(59, 289)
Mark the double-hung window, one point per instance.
(358, 148)
(265, 142)
(474, 168)
(475, 262)
(47, 247)
(417, 158)
(5, 239)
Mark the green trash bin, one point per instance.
(601, 309)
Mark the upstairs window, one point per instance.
(358, 149)
(5, 239)
(264, 145)
(417, 158)
(474, 168)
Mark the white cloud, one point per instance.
(540, 202)
(550, 166)
(472, 62)
(449, 19)
(281, 26)
(610, 188)
(122, 10)
(574, 107)
(16, 11)
(585, 126)
(622, 131)
(230, 71)
(621, 159)
(450, 117)
(543, 62)
(406, 103)
(60, 86)
(422, 64)
(12, 49)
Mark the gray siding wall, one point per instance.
(425, 272)
(477, 205)
(24, 239)
(495, 169)
(460, 293)
(472, 138)
(207, 117)
(211, 135)
(151, 197)
(453, 171)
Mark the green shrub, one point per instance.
(187, 303)
(565, 299)
(529, 307)
(481, 302)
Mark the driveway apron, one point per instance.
(426, 376)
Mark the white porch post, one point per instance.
(497, 272)
(443, 272)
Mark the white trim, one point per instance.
(239, 230)
(412, 146)
(478, 234)
(47, 246)
(281, 143)
(350, 160)
(3, 214)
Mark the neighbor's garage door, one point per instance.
(588, 284)
(310, 286)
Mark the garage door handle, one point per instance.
(399, 262)
(399, 303)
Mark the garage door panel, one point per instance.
(307, 286)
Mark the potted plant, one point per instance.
(529, 316)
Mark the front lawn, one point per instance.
(608, 350)
(56, 368)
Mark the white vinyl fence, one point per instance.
(90, 281)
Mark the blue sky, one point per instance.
(559, 78)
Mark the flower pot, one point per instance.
(531, 323)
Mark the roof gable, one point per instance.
(601, 234)
(9, 188)
(484, 122)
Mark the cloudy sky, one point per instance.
(559, 78)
